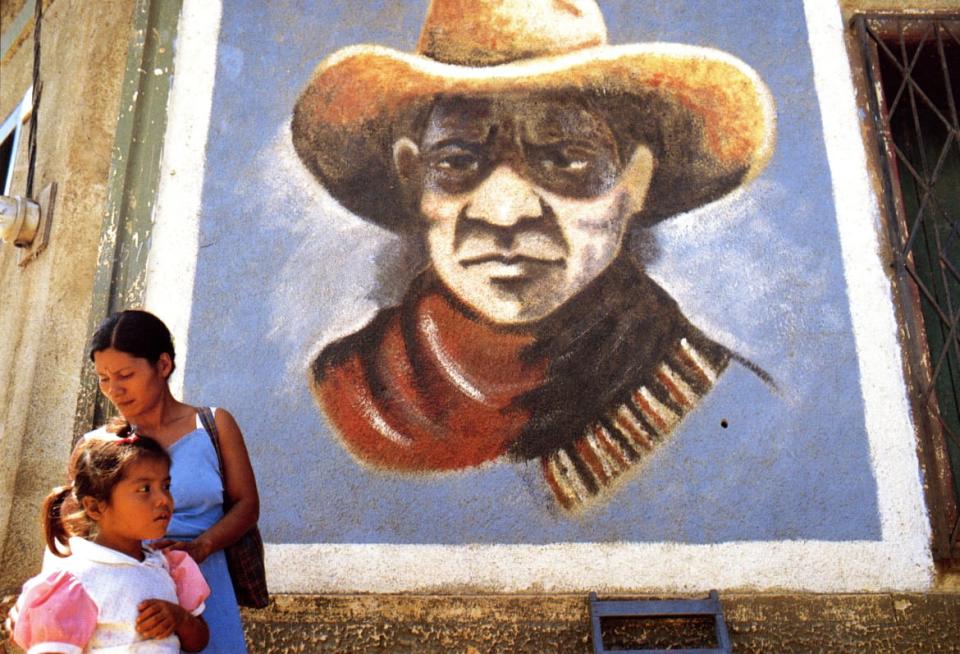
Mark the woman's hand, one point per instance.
(198, 549)
(159, 618)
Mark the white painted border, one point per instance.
(172, 261)
(886, 405)
(607, 567)
(901, 561)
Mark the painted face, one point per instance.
(523, 198)
(139, 509)
(132, 384)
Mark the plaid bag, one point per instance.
(245, 557)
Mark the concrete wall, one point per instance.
(45, 306)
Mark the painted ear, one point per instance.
(636, 178)
(406, 159)
(92, 507)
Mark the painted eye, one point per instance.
(564, 159)
(461, 162)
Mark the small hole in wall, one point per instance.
(724, 423)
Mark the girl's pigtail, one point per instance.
(54, 529)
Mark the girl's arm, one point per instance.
(193, 633)
(55, 614)
(159, 618)
(240, 487)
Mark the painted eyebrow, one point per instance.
(455, 142)
(564, 140)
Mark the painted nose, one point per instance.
(504, 198)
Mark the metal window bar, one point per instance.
(675, 608)
(912, 66)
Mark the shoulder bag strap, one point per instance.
(210, 426)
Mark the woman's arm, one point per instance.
(240, 486)
(240, 489)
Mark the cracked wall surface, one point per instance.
(801, 623)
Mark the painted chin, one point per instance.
(514, 302)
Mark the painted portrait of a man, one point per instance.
(520, 150)
(525, 274)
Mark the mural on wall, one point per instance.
(554, 271)
(521, 148)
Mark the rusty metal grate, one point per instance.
(912, 65)
(688, 609)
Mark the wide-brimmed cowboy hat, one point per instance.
(714, 117)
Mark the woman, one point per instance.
(133, 354)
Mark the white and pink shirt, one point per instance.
(89, 603)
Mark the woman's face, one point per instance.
(132, 384)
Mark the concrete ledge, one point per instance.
(538, 624)
(886, 622)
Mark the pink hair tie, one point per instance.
(130, 440)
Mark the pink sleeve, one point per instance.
(192, 588)
(56, 615)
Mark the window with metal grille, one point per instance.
(912, 65)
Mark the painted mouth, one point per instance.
(510, 259)
(499, 266)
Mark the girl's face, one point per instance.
(139, 509)
(132, 384)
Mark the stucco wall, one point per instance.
(44, 307)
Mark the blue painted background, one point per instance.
(282, 270)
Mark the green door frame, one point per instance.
(125, 235)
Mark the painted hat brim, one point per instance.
(361, 99)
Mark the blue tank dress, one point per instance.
(198, 504)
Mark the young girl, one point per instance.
(112, 593)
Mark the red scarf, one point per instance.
(440, 397)
(430, 386)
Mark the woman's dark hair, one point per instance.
(137, 333)
(96, 466)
